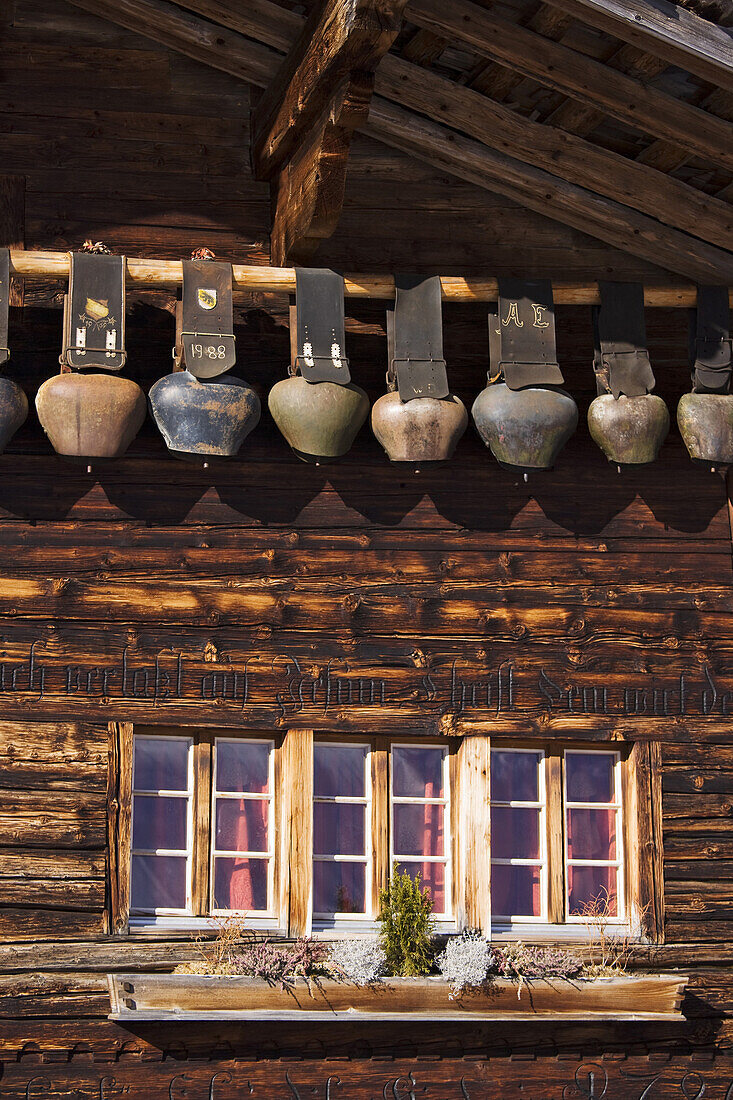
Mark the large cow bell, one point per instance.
(13, 410)
(320, 420)
(204, 418)
(422, 430)
(705, 421)
(527, 428)
(629, 430)
(90, 415)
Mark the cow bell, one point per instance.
(90, 415)
(319, 420)
(204, 418)
(705, 421)
(422, 430)
(525, 429)
(629, 430)
(13, 410)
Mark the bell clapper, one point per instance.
(525, 475)
(206, 465)
(89, 469)
(618, 469)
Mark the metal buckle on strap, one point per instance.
(320, 328)
(205, 342)
(415, 339)
(526, 320)
(711, 347)
(93, 308)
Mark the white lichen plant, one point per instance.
(466, 961)
(359, 960)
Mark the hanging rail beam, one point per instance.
(169, 273)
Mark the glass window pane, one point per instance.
(590, 776)
(161, 764)
(515, 891)
(159, 822)
(240, 883)
(158, 882)
(431, 875)
(515, 776)
(417, 772)
(242, 766)
(515, 833)
(591, 834)
(338, 829)
(241, 824)
(339, 887)
(338, 770)
(418, 829)
(591, 887)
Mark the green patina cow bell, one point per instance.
(705, 421)
(526, 428)
(320, 420)
(425, 429)
(91, 415)
(629, 430)
(204, 418)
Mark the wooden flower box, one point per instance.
(193, 997)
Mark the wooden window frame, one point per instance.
(467, 827)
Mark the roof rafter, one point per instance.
(570, 203)
(581, 77)
(663, 29)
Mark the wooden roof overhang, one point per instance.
(614, 117)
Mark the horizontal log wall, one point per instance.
(424, 584)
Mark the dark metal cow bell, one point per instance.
(204, 418)
(705, 416)
(95, 415)
(203, 411)
(13, 401)
(626, 420)
(318, 408)
(419, 420)
(527, 418)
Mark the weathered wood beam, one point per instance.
(663, 29)
(208, 43)
(539, 190)
(581, 77)
(146, 273)
(570, 158)
(309, 192)
(340, 38)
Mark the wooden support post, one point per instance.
(119, 813)
(12, 225)
(309, 193)
(297, 833)
(644, 842)
(474, 825)
(380, 819)
(304, 121)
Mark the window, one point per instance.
(300, 832)
(202, 826)
(357, 786)
(556, 825)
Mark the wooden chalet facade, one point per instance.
(279, 613)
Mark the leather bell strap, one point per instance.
(527, 322)
(205, 321)
(319, 312)
(94, 312)
(710, 342)
(620, 356)
(494, 374)
(4, 304)
(415, 338)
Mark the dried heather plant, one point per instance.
(608, 950)
(282, 964)
(217, 955)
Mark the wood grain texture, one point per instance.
(12, 225)
(474, 824)
(297, 832)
